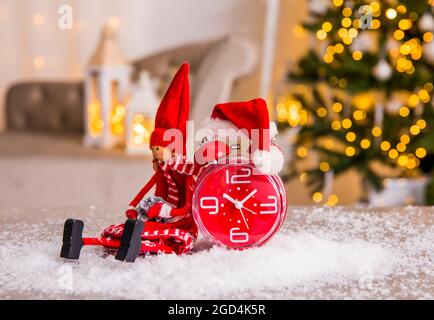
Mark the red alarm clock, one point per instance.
(236, 205)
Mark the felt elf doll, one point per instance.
(165, 224)
(168, 211)
(169, 199)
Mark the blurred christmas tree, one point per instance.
(364, 99)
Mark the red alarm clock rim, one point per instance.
(242, 161)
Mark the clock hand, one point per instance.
(249, 196)
(238, 205)
(228, 197)
(244, 218)
(249, 210)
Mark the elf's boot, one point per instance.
(72, 239)
(131, 241)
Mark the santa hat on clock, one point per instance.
(248, 116)
(173, 110)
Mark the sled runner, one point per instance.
(132, 238)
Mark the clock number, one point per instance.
(213, 204)
(270, 205)
(238, 237)
(239, 178)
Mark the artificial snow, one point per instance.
(319, 253)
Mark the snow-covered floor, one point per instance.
(326, 253)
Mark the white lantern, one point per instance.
(141, 112)
(106, 83)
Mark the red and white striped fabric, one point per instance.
(183, 166)
(176, 237)
(172, 190)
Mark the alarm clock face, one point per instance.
(237, 207)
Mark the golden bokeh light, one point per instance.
(350, 151)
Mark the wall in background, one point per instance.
(34, 47)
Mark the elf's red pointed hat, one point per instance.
(250, 115)
(173, 111)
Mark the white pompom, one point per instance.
(273, 129)
(268, 162)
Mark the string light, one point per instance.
(421, 124)
(324, 166)
(414, 130)
(401, 147)
(336, 125)
(343, 33)
(375, 6)
(391, 13)
(357, 55)
(302, 152)
(338, 3)
(347, 40)
(328, 58)
(282, 114)
(95, 122)
(401, 9)
(420, 153)
(339, 48)
(412, 163)
(404, 111)
(327, 26)
(363, 101)
(428, 86)
(342, 83)
(321, 112)
(385, 145)
(350, 136)
(332, 200)
(347, 12)
(141, 129)
(347, 123)
(404, 24)
(356, 23)
(405, 139)
(359, 115)
(317, 197)
(403, 161)
(365, 143)
(424, 95)
(376, 131)
(346, 22)
(353, 33)
(393, 154)
(117, 119)
(427, 37)
(350, 151)
(398, 35)
(303, 177)
(337, 107)
(321, 34)
(295, 113)
(413, 100)
(331, 50)
(376, 24)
